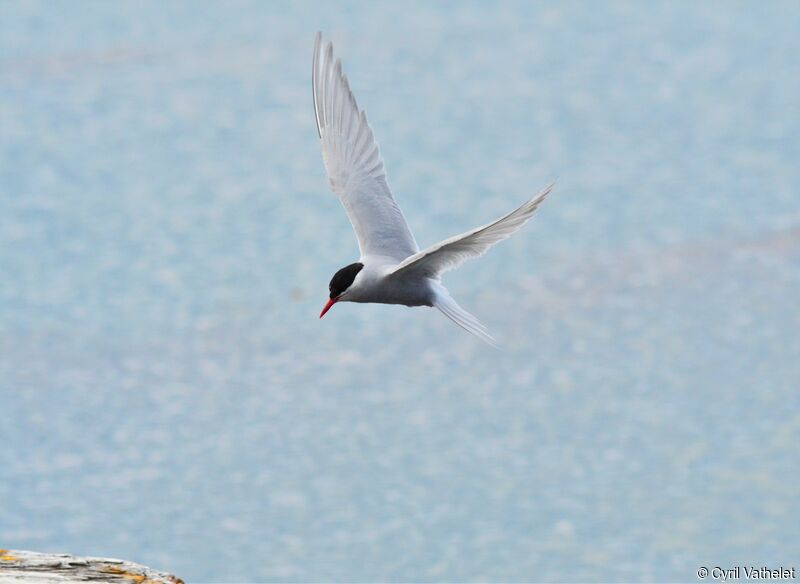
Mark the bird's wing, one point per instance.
(354, 164)
(451, 253)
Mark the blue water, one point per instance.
(166, 240)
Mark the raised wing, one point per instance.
(451, 253)
(354, 164)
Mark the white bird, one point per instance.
(391, 269)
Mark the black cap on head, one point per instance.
(342, 279)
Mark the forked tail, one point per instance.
(450, 308)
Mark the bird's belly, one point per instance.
(418, 293)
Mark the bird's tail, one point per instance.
(450, 308)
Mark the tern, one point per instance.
(391, 268)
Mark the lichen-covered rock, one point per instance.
(38, 568)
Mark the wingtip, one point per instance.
(314, 80)
(317, 45)
(542, 194)
(490, 340)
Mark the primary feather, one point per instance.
(451, 253)
(353, 161)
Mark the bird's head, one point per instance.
(341, 284)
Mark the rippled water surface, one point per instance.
(166, 240)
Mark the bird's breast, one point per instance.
(394, 290)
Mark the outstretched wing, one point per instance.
(451, 253)
(354, 164)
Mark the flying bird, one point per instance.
(391, 269)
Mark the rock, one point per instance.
(36, 568)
